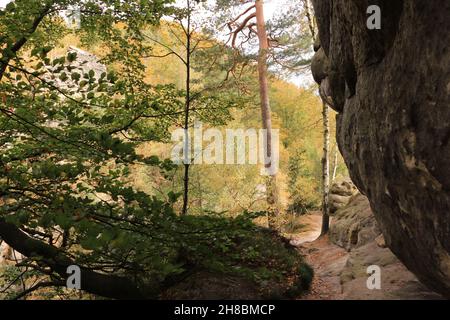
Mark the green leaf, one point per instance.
(71, 56)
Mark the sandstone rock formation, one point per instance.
(354, 225)
(355, 229)
(341, 192)
(355, 242)
(391, 88)
(5, 253)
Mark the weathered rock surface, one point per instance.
(340, 194)
(354, 225)
(342, 275)
(396, 281)
(355, 229)
(340, 261)
(5, 253)
(391, 88)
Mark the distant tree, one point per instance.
(335, 163)
(326, 171)
(206, 77)
(274, 44)
(326, 137)
(297, 204)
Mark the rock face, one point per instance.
(340, 194)
(391, 88)
(354, 225)
(396, 281)
(342, 274)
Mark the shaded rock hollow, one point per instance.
(391, 88)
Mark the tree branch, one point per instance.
(109, 286)
(240, 28)
(22, 41)
(38, 286)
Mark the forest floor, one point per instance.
(341, 275)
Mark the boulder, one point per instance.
(391, 88)
(397, 283)
(354, 225)
(355, 229)
(340, 193)
(343, 187)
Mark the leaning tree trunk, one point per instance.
(271, 186)
(325, 171)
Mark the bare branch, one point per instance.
(240, 28)
(241, 15)
(170, 50)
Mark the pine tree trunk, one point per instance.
(271, 186)
(325, 172)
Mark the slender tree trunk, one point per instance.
(271, 186)
(335, 164)
(187, 159)
(326, 140)
(325, 171)
(309, 17)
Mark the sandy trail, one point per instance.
(325, 258)
(340, 274)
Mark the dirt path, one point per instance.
(328, 261)
(340, 274)
(312, 223)
(325, 258)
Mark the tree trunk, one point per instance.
(186, 114)
(335, 164)
(326, 140)
(271, 185)
(105, 285)
(325, 172)
(309, 17)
